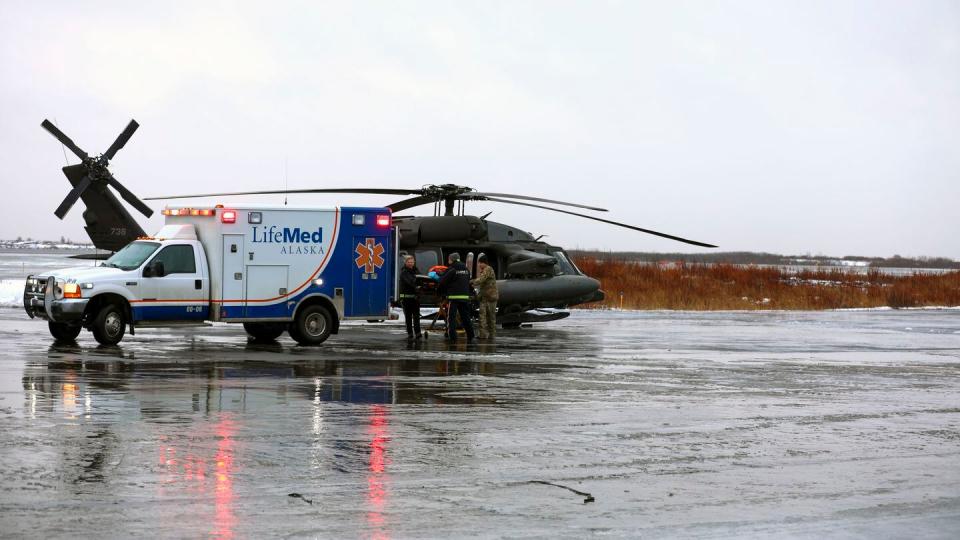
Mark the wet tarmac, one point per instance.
(844, 424)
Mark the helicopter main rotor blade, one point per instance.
(618, 224)
(121, 140)
(130, 197)
(72, 197)
(64, 140)
(527, 198)
(410, 203)
(372, 191)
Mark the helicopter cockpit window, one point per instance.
(426, 259)
(564, 265)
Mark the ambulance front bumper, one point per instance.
(40, 301)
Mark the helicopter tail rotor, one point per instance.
(95, 169)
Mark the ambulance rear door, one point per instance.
(371, 282)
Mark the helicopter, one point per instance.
(536, 279)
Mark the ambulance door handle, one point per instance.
(198, 284)
(238, 276)
(233, 248)
(251, 255)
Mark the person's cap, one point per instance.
(482, 258)
(454, 257)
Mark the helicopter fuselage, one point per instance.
(531, 274)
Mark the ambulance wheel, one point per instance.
(264, 331)
(64, 331)
(109, 325)
(312, 325)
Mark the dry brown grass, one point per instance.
(725, 286)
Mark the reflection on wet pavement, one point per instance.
(678, 424)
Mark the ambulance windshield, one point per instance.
(132, 255)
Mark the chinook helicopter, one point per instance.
(535, 278)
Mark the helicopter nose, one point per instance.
(590, 288)
(564, 289)
(586, 284)
(587, 290)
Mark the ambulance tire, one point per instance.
(109, 325)
(64, 331)
(264, 331)
(312, 325)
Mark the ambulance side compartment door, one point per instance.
(233, 278)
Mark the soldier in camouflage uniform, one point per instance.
(486, 285)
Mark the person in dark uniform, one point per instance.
(408, 297)
(455, 283)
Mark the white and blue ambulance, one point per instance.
(272, 268)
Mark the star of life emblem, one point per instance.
(369, 255)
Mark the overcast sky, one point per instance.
(807, 127)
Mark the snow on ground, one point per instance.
(11, 292)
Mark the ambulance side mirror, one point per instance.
(154, 269)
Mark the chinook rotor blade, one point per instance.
(121, 139)
(618, 224)
(538, 199)
(72, 197)
(129, 197)
(372, 191)
(64, 140)
(410, 203)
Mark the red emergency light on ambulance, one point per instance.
(272, 268)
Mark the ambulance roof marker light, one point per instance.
(228, 216)
(383, 220)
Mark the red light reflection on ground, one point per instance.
(223, 496)
(377, 478)
(187, 469)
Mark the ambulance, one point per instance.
(274, 269)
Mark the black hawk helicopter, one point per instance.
(534, 276)
(108, 224)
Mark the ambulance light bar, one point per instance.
(383, 220)
(188, 212)
(228, 216)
